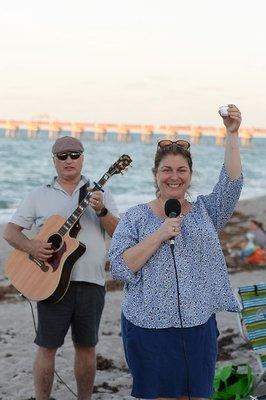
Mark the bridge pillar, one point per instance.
(11, 129)
(220, 136)
(123, 134)
(171, 134)
(245, 137)
(77, 131)
(146, 134)
(54, 131)
(195, 135)
(32, 130)
(99, 133)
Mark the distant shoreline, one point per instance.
(254, 207)
(244, 205)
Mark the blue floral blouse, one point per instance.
(150, 295)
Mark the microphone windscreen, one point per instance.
(172, 208)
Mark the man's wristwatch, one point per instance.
(103, 212)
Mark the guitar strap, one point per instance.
(82, 193)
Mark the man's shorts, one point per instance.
(81, 308)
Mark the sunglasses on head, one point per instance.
(180, 143)
(74, 155)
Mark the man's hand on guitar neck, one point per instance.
(108, 220)
(96, 200)
(40, 249)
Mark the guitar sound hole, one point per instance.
(56, 240)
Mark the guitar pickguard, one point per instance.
(55, 260)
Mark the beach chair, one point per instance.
(252, 321)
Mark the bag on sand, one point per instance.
(258, 257)
(233, 382)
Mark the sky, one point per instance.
(133, 61)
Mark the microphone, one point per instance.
(172, 209)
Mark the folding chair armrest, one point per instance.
(241, 325)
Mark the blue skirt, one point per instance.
(171, 362)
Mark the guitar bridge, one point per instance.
(39, 263)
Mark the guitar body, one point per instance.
(47, 280)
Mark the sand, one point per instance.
(113, 380)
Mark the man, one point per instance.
(81, 307)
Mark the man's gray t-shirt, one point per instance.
(52, 199)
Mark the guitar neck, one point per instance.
(75, 216)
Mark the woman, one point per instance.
(258, 233)
(168, 313)
(255, 237)
(252, 249)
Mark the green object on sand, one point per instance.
(233, 382)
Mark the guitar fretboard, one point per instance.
(74, 217)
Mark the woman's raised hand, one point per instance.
(233, 120)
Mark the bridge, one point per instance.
(123, 132)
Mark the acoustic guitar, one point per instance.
(49, 280)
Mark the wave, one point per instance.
(19, 176)
(4, 204)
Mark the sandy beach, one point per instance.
(113, 379)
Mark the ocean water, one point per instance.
(27, 163)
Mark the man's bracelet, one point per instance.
(102, 213)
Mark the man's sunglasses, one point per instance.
(74, 155)
(180, 143)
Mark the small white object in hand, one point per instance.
(223, 111)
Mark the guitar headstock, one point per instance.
(120, 165)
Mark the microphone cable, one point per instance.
(55, 372)
(172, 247)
